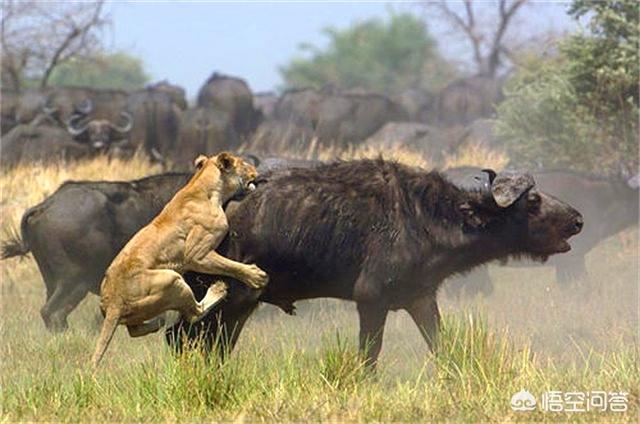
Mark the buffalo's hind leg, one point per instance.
(372, 319)
(424, 312)
(62, 302)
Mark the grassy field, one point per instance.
(528, 334)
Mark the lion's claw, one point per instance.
(256, 277)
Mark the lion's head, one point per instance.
(237, 176)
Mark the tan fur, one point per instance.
(144, 280)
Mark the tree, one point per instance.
(376, 55)
(36, 37)
(488, 42)
(579, 108)
(115, 70)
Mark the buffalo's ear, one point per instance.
(470, 215)
(507, 188)
(199, 162)
(225, 161)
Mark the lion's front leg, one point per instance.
(214, 263)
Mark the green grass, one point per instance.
(528, 335)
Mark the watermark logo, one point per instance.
(523, 401)
(558, 401)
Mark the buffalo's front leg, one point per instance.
(372, 319)
(424, 312)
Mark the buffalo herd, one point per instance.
(67, 123)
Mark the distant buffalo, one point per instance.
(432, 142)
(276, 136)
(156, 113)
(203, 131)
(418, 104)
(378, 233)
(233, 96)
(44, 143)
(465, 100)
(265, 103)
(177, 94)
(337, 118)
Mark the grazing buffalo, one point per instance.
(608, 206)
(381, 234)
(76, 232)
(233, 96)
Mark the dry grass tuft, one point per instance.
(27, 185)
(476, 154)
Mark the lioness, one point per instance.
(144, 279)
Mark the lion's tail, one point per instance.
(111, 321)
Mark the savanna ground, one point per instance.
(529, 334)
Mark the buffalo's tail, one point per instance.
(16, 243)
(109, 326)
(13, 246)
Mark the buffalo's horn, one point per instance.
(508, 187)
(85, 107)
(491, 173)
(71, 125)
(127, 126)
(156, 155)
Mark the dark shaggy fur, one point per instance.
(381, 234)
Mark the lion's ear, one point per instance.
(225, 161)
(199, 162)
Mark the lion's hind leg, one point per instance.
(167, 290)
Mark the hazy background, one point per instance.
(186, 42)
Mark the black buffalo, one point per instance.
(381, 234)
(233, 96)
(156, 112)
(337, 117)
(465, 100)
(609, 205)
(41, 143)
(203, 131)
(76, 232)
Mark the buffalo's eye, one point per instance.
(533, 200)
